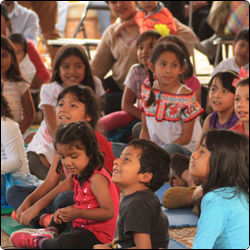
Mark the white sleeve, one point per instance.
(11, 143)
(98, 87)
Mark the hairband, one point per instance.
(162, 29)
(242, 75)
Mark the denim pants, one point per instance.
(16, 194)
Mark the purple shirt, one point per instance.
(214, 121)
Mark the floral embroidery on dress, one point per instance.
(170, 107)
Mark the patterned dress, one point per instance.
(165, 117)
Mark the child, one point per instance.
(135, 78)
(91, 220)
(34, 206)
(221, 96)
(222, 162)
(15, 88)
(241, 54)
(241, 106)
(140, 171)
(170, 110)
(71, 67)
(151, 14)
(189, 79)
(13, 155)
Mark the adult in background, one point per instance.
(48, 15)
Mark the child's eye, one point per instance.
(60, 104)
(73, 157)
(212, 89)
(73, 105)
(126, 159)
(225, 91)
(140, 48)
(163, 64)
(62, 157)
(174, 65)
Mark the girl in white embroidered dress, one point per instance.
(170, 110)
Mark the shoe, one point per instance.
(45, 220)
(27, 238)
(36, 166)
(178, 197)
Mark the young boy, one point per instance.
(140, 171)
(152, 13)
(241, 106)
(241, 54)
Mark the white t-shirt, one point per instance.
(229, 64)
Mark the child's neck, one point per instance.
(151, 11)
(246, 127)
(133, 189)
(171, 88)
(224, 116)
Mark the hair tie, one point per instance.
(162, 29)
(242, 75)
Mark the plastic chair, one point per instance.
(226, 41)
(90, 5)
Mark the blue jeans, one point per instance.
(172, 148)
(16, 194)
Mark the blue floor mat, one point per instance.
(178, 218)
(174, 244)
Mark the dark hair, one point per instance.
(5, 13)
(243, 82)
(70, 50)
(156, 52)
(189, 70)
(153, 159)
(226, 78)
(242, 35)
(148, 34)
(229, 161)
(85, 95)
(5, 108)
(20, 39)
(80, 135)
(13, 73)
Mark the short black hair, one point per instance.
(153, 159)
(242, 35)
(243, 82)
(20, 39)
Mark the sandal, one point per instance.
(178, 197)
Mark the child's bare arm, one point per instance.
(128, 103)
(29, 111)
(142, 240)
(144, 130)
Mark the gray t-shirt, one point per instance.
(141, 212)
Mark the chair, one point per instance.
(219, 42)
(90, 5)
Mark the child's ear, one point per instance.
(146, 177)
(182, 70)
(88, 118)
(151, 66)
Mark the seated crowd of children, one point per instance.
(84, 156)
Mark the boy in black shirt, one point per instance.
(141, 170)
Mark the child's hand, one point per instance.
(68, 213)
(57, 217)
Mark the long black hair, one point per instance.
(70, 50)
(229, 162)
(156, 53)
(82, 136)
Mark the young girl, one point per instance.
(92, 219)
(241, 105)
(15, 87)
(170, 110)
(189, 79)
(14, 163)
(135, 78)
(222, 162)
(34, 206)
(71, 67)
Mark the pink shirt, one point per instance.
(193, 83)
(239, 128)
(85, 199)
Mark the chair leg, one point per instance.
(217, 55)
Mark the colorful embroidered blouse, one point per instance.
(170, 107)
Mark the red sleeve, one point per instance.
(34, 56)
